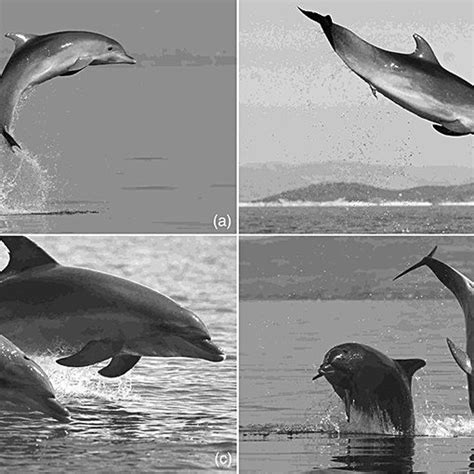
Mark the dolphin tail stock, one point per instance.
(324, 21)
(9, 139)
(461, 358)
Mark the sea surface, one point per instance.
(135, 157)
(288, 423)
(357, 219)
(164, 414)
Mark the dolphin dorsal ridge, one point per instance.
(410, 366)
(423, 50)
(20, 39)
(24, 255)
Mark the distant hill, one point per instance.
(327, 192)
(260, 180)
(346, 267)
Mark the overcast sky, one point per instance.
(145, 26)
(299, 102)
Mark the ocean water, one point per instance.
(135, 157)
(165, 413)
(357, 219)
(288, 423)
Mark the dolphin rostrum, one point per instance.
(39, 58)
(92, 316)
(417, 82)
(463, 290)
(368, 381)
(23, 382)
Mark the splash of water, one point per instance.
(84, 382)
(445, 427)
(24, 185)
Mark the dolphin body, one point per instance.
(92, 316)
(23, 382)
(39, 58)
(417, 82)
(372, 383)
(463, 290)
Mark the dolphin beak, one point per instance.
(128, 59)
(323, 370)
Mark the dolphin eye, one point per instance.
(110, 48)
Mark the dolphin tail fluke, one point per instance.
(460, 357)
(10, 140)
(119, 365)
(422, 262)
(324, 21)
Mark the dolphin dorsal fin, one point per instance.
(423, 50)
(24, 255)
(20, 39)
(410, 366)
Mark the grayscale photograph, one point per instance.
(356, 354)
(356, 117)
(117, 353)
(118, 116)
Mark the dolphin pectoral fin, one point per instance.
(347, 404)
(92, 352)
(460, 357)
(448, 132)
(79, 65)
(373, 90)
(20, 38)
(119, 365)
(410, 366)
(10, 140)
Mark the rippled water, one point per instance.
(289, 423)
(376, 220)
(163, 414)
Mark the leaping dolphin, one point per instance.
(93, 315)
(23, 382)
(368, 381)
(39, 58)
(417, 82)
(463, 290)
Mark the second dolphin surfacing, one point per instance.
(23, 382)
(94, 316)
(371, 383)
(417, 82)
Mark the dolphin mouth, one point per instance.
(326, 369)
(212, 352)
(129, 60)
(48, 405)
